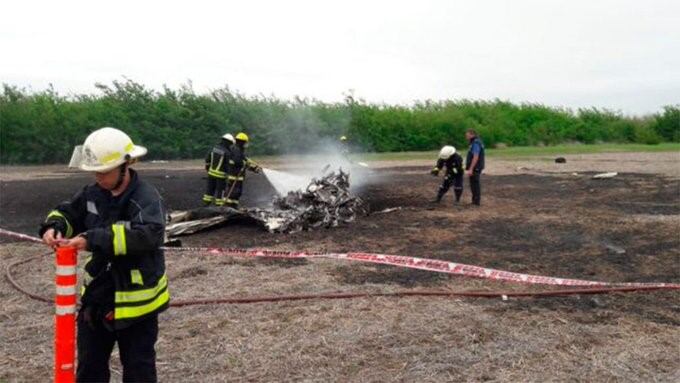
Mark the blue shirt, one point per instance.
(476, 148)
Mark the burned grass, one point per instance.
(556, 225)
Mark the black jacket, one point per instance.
(126, 272)
(217, 160)
(238, 163)
(454, 165)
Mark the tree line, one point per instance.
(44, 126)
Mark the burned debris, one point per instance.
(326, 202)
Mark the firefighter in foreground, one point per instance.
(454, 172)
(216, 164)
(238, 164)
(120, 219)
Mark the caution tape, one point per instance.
(426, 264)
(20, 236)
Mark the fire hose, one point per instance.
(349, 295)
(584, 289)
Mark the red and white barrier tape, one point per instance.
(426, 264)
(20, 236)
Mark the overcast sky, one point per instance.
(623, 55)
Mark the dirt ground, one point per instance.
(536, 218)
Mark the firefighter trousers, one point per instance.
(136, 345)
(451, 179)
(233, 194)
(215, 191)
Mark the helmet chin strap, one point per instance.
(121, 174)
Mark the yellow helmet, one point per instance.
(242, 137)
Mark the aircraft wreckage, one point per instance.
(326, 202)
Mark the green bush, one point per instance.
(667, 125)
(43, 127)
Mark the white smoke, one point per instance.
(284, 182)
(298, 174)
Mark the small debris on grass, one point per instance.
(388, 210)
(615, 249)
(605, 175)
(560, 160)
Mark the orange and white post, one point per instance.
(65, 315)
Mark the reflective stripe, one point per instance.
(119, 245)
(215, 170)
(136, 277)
(137, 311)
(111, 157)
(207, 198)
(65, 310)
(129, 147)
(66, 290)
(235, 178)
(69, 228)
(66, 270)
(216, 173)
(219, 164)
(141, 295)
(92, 208)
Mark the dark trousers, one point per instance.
(214, 190)
(476, 187)
(456, 181)
(135, 343)
(233, 194)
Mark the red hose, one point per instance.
(403, 293)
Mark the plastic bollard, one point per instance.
(65, 315)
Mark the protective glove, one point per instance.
(434, 172)
(257, 169)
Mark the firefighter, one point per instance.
(238, 164)
(120, 219)
(474, 165)
(216, 164)
(344, 146)
(454, 172)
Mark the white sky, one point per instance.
(623, 55)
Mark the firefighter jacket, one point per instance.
(238, 163)
(216, 162)
(126, 272)
(454, 165)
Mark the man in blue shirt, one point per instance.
(474, 164)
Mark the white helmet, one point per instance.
(229, 138)
(446, 152)
(107, 148)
